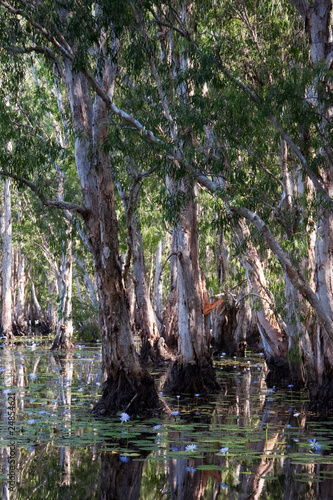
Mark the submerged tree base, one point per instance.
(156, 355)
(191, 379)
(321, 397)
(283, 373)
(135, 396)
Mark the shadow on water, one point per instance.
(247, 442)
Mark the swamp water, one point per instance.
(247, 442)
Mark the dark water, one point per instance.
(245, 443)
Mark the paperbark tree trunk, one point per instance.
(153, 349)
(128, 386)
(65, 323)
(158, 285)
(51, 315)
(170, 313)
(234, 327)
(317, 16)
(192, 371)
(20, 320)
(7, 263)
(273, 337)
(89, 285)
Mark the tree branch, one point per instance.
(295, 275)
(39, 27)
(64, 205)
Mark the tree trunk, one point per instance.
(128, 386)
(170, 314)
(317, 17)
(89, 285)
(7, 264)
(20, 320)
(225, 325)
(158, 285)
(234, 326)
(274, 340)
(293, 188)
(53, 290)
(192, 371)
(153, 349)
(65, 323)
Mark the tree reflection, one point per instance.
(121, 476)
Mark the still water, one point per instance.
(247, 442)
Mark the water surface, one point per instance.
(247, 442)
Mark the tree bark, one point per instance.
(273, 337)
(158, 285)
(192, 371)
(7, 264)
(20, 320)
(128, 386)
(64, 322)
(153, 349)
(317, 16)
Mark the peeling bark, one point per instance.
(318, 348)
(127, 382)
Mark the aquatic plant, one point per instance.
(124, 417)
(191, 447)
(314, 444)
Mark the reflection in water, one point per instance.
(64, 363)
(246, 443)
(120, 476)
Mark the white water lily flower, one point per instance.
(314, 444)
(124, 417)
(191, 447)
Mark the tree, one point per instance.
(56, 37)
(153, 349)
(225, 98)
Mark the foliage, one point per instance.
(206, 80)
